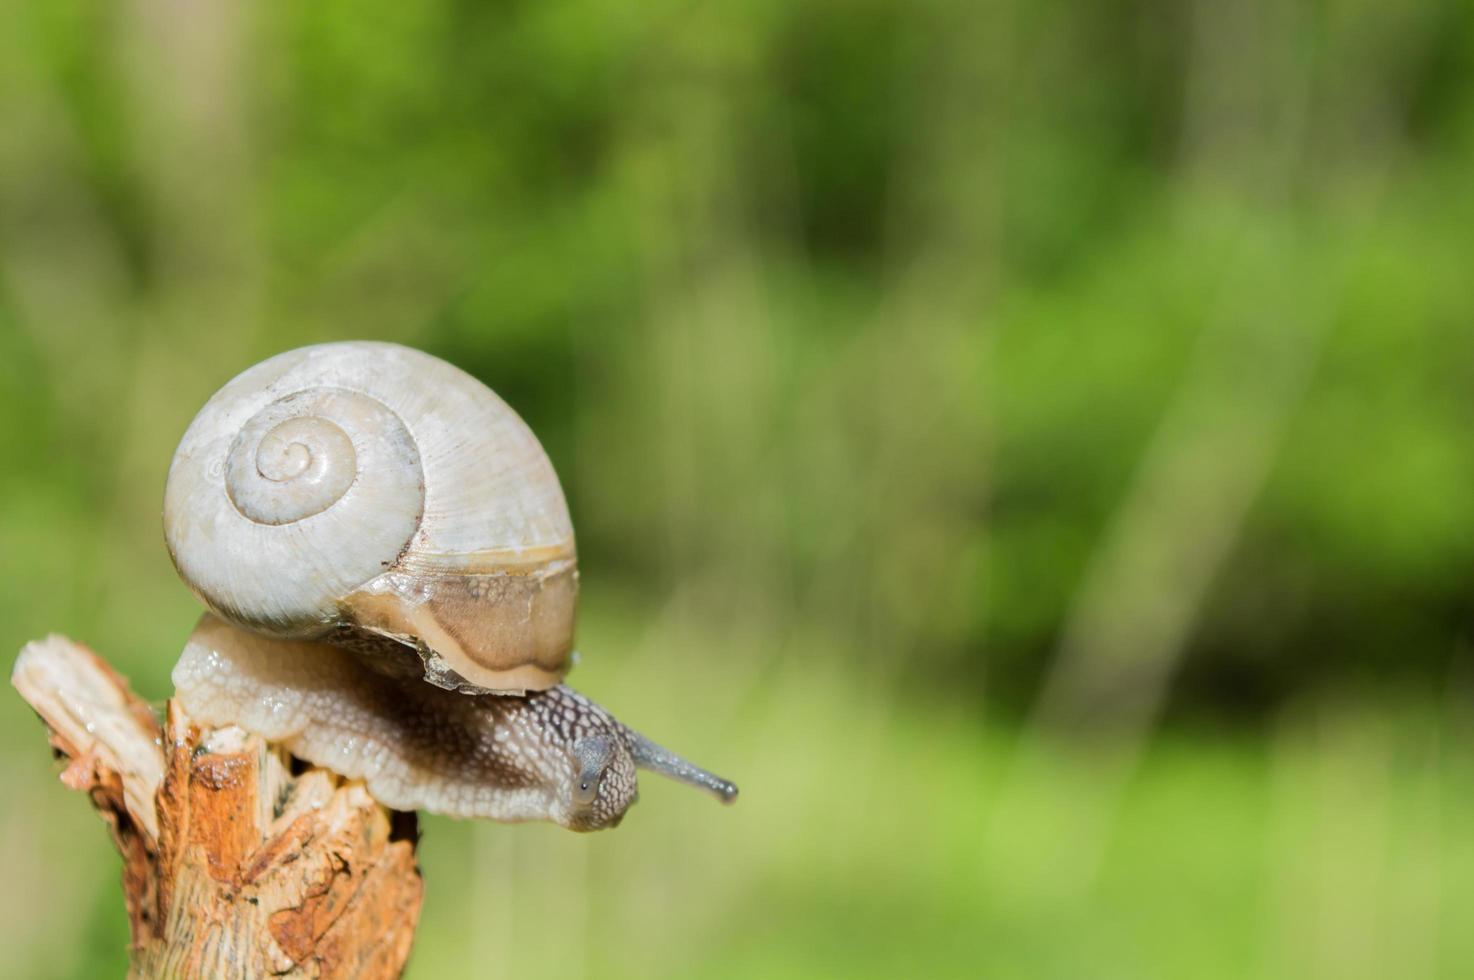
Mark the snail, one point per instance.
(389, 567)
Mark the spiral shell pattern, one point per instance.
(366, 488)
(313, 494)
(286, 466)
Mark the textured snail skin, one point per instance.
(373, 488)
(552, 755)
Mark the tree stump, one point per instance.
(239, 861)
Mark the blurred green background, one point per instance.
(1027, 445)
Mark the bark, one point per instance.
(238, 860)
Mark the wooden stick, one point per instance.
(238, 861)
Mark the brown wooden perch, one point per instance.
(239, 861)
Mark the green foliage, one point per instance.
(1010, 368)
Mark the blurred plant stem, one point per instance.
(1215, 444)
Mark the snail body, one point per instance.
(390, 570)
(415, 746)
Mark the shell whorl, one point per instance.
(314, 494)
(290, 462)
(374, 488)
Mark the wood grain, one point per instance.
(238, 861)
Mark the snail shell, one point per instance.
(361, 490)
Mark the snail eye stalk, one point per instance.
(656, 758)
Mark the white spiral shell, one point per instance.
(373, 488)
